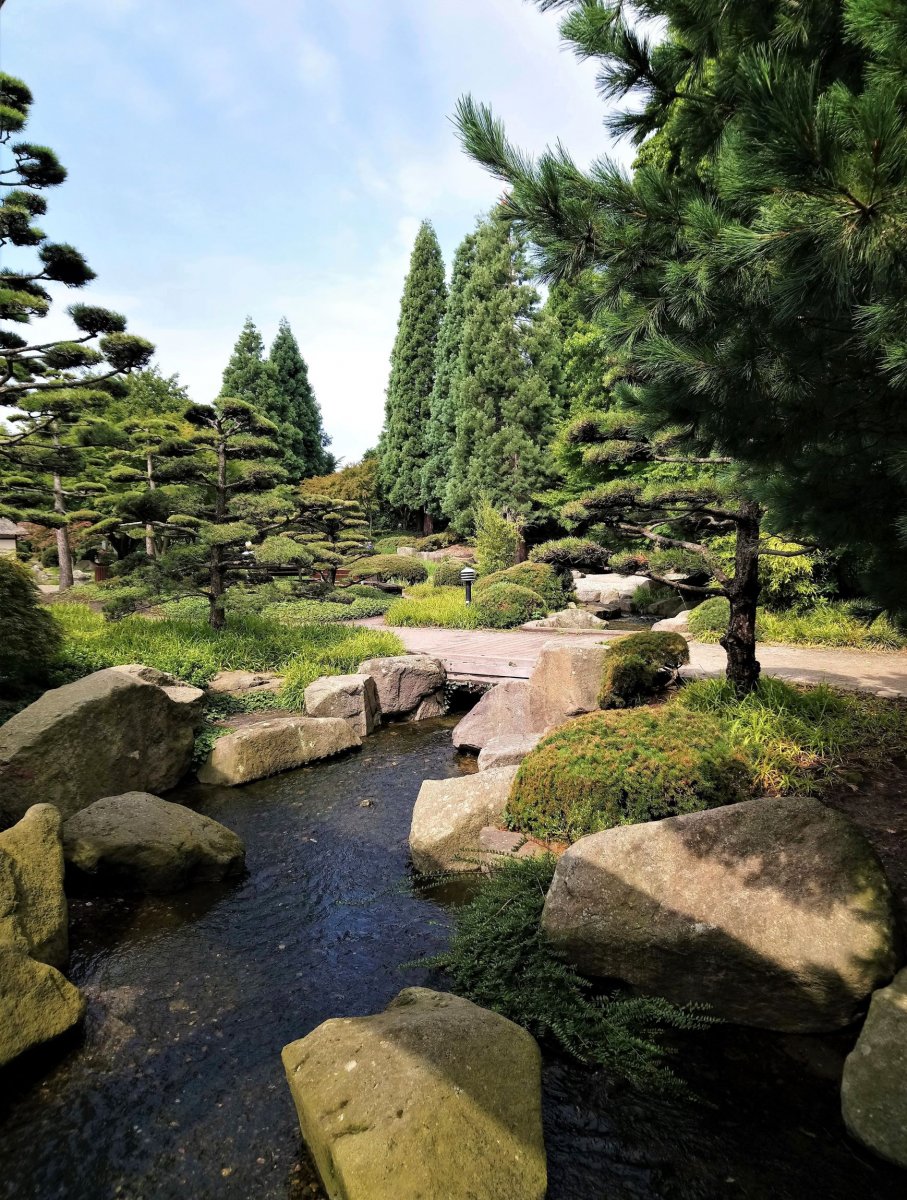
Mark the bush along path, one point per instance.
(511, 654)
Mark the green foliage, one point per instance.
(504, 605)
(639, 666)
(317, 612)
(402, 450)
(801, 740)
(572, 553)
(427, 605)
(386, 567)
(629, 562)
(389, 544)
(826, 624)
(498, 958)
(497, 539)
(555, 590)
(332, 650)
(361, 591)
(620, 768)
(447, 573)
(295, 411)
(30, 637)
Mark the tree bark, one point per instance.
(64, 554)
(740, 639)
(428, 523)
(150, 548)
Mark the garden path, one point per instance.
(493, 655)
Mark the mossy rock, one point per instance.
(620, 768)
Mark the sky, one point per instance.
(275, 158)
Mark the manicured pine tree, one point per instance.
(441, 430)
(403, 448)
(295, 411)
(504, 391)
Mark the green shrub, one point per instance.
(497, 540)
(447, 573)
(31, 638)
(317, 612)
(675, 559)
(555, 590)
(427, 605)
(389, 543)
(628, 562)
(361, 591)
(436, 541)
(498, 958)
(639, 666)
(504, 605)
(828, 623)
(647, 595)
(390, 566)
(619, 768)
(797, 739)
(568, 553)
(50, 557)
(340, 654)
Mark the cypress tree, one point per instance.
(248, 376)
(403, 448)
(442, 429)
(296, 412)
(504, 389)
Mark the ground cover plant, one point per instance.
(427, 605)
(828, 623)
(498, 958)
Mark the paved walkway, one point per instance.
(511, 654)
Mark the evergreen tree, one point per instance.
(295, 411)
(441, 430)
(504, 392)
(753, 264)
(248, 375)
(403, 448)
(52, 384)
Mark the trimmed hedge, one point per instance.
(390, 566)
(639, 666)
(541, 578)
(572, 552)
(608, 769)
(504, 605)
(447, 573)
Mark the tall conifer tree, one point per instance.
(441, 431)
(403, 448)
(504, 392)
(296, 412)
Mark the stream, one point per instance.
(175, 1087)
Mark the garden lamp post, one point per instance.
(467, 577)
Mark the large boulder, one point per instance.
(36, 1003)
(509, 750)
(178, 691)
(138, 842)
(107, 733)
(678, 624)
(268, 747)
(433, 1097)
(504, 709)
(565, 682)
(610, 590)
(352, 697)
(874, 1086)
(569, 619)
(240, 683)
(450, 814)
(410, 686)
(33, 911)
(776, 913)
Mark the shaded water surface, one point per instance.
(176, 1087)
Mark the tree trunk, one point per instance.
(740, 639)
(150, 548)
(64, 554)
(428, 523)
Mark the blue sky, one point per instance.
(275, 157)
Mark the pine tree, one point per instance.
(504, 392)
(753, 264)
(441, 430)
(248, 376)
(403, 448)
(52, 385)
(295, 411)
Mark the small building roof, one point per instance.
(8, 528)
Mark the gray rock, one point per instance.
(504, 709)
(105, 734)
(450, 814)
(775, 913)
(409, 685)
(269, 747)
(509, 750)
(138, 842)
(238, 683)
(36, 1003)
(178, 691)
(678, 624)
(435, 1097)
(874, 1086)
(352, 697)
(33, 911)
(666, 607)
(569, 619)
(565, 682)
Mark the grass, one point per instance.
(829, 623)
(498, 958)
(318, 612)
(425, 604)
(191, 650)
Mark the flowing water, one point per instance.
(175, 1088)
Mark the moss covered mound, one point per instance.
(554, 588)
(390, 566)
(617, 768)
(505, 605)
(639, 666)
